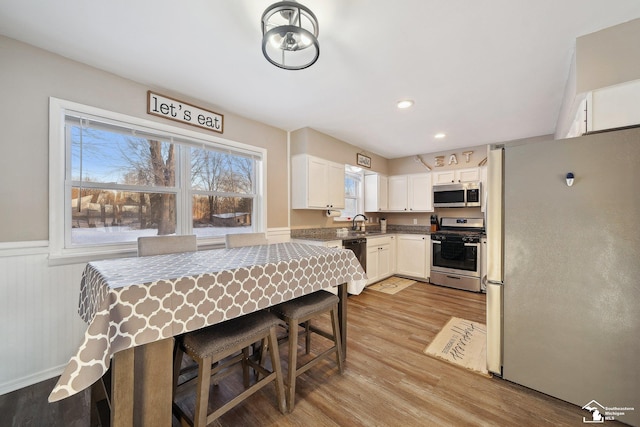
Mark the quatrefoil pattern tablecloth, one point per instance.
(133, 301)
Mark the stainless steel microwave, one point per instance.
(465, 194)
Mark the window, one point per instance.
(125, 177)
(353, 192)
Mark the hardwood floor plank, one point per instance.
(388, 380)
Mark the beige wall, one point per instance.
(410, 164)
(310, 141)
(29, 76)
(608, 57)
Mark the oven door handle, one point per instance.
(438, 242)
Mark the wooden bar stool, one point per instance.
(245, 239)
(301, 311)
(214, 345)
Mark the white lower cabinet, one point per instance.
(413, 255)
(403, 254)
(380, 258)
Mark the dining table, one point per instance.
(135, 306)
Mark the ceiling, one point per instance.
(479, 71)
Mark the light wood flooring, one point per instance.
(388, 380)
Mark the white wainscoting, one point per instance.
(41, 328)
(279, 235)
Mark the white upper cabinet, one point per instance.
(316, 183)
(456, 176)
(613, 107)
(398, 193)
(410, 193)
(376, 193)
(420, 192)
(606, 108)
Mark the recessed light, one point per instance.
(439, 135)
(405, 103)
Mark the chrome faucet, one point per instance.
(353, 225)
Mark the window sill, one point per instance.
(87, 255)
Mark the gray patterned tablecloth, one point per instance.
(133, 301)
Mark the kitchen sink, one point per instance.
(364, 233)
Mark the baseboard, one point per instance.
(29, 380)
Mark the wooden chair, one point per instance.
(245, 239)
(211, 347)
(162, 245)
(300, 311)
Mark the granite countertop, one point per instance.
(330, 233)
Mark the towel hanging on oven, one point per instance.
(452, 250)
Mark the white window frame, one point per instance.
(60, 251)
(353, 170)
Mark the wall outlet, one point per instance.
(415, 221)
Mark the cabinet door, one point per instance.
(372, 264)
(336, 185)
(455, 176)
(411, 255)
(371, 184)
(384, 261)
(392, 255)
(444, 177)
(375, 193)
(468, 175)
(317, 183)
(398, 193)
(420, 193)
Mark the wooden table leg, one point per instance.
(142, 385)
(342, 317)
(122, 384)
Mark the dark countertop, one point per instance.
(328, 234)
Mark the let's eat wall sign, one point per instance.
(172, 109)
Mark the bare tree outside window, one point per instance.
(125, 185)
(223, 191)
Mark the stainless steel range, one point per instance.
(456, 253)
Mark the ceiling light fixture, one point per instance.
(290, 35)
(405, 103)
(439, 135)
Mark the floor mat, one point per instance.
(462, 343)
(392, 285)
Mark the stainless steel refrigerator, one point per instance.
(563, 276)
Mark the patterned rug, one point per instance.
(462, 343)
(392, 285)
